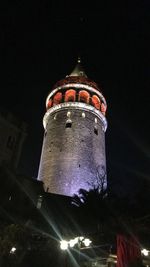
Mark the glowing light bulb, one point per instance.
(144, 252)
(13, 249)
(87, 242)
(63, 244)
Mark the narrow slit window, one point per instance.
(96, 130)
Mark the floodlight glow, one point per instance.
(76, 240)
(87, 242)
(144, 252)
(13, 249)
(80, 240)
(72, 242)
(63, 244)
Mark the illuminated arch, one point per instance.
(96, 102)
(49, 104)
(57, 99)
(70, 95)
(103, 109)
(84, 96)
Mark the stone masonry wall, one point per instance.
(74, 153)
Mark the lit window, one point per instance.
(96, 101)
(49, 104)
(103, 109)
(84, 96)
(70, 95)
(57, 99)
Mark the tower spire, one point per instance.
(78, 70)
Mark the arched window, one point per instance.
(84, 96)
(49, 104)
(68, 123)
(70, 95)
(103, 109)
(57, 98)
(96, 101)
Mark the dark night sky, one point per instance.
(39, 45)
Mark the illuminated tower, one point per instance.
(73, 152)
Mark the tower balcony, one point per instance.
(76, 96)
(78, 93)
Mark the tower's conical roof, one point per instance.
(78, 70)
(77, 76)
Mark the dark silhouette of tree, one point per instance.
(93, 210)
(111, 213)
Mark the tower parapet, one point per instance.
(73, 153)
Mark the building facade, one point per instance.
(13, 133)
(73, 152)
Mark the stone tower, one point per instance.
(73, 152)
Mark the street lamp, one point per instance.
(145, 252)
(79, 241)
(63, 244)
(87, 242)
(12, 251)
